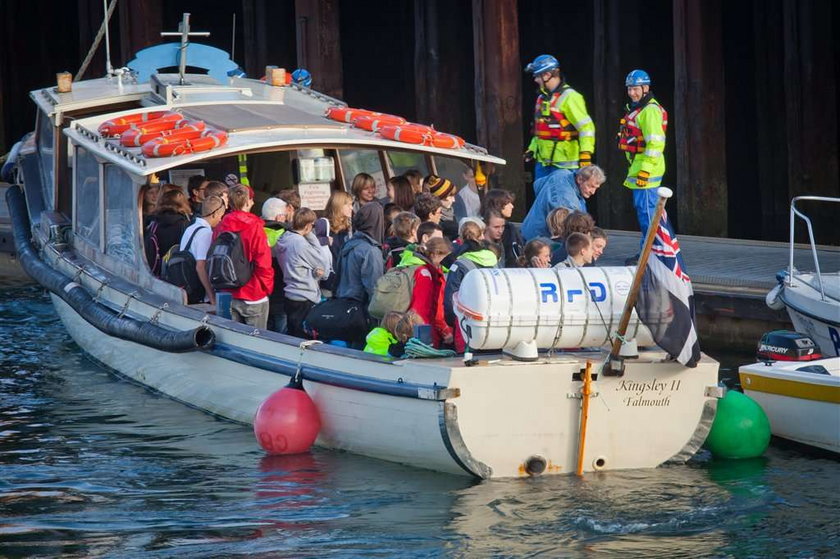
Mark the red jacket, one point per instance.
(427, 300)
(255, 245)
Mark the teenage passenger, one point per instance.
(249, 304)
(303, 264)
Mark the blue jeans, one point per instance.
(645, 200)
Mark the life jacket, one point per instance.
(549, 121)
(630, 136)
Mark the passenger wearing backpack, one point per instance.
(405, 233)
(429, 286)
(274, 214)
(303, 263)
(475, 253)
(249, 303)
(166, 227)
(192, 253)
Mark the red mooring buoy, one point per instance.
(287, 422)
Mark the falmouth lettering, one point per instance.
(653, 393)
(641, 401)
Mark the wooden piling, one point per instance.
(699, 119)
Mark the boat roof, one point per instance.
(256, 115)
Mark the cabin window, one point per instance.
(120, 215)
(402, 161)
(86, 173)
(46, 155)
(452, 169)
(355, 161)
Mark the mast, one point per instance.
(185, 34)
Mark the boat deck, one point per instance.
(731, 278)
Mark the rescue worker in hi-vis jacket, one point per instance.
(564, 133)
(642, 138)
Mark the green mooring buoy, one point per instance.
(740, 429)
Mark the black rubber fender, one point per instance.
(98, 315)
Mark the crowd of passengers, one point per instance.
(426, 224)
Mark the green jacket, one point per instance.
(651, 121)
(379, 340)
(564, 154)
(273, 235)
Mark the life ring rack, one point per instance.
(183, 129)
(421, 134)
(150, 121)
(175, 144)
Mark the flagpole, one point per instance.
(614, 364)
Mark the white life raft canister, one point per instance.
(554, 308)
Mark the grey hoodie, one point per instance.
(299, 257)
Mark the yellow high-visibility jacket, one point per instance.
(642, 138)
(562, 128)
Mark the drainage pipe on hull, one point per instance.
(100, 316)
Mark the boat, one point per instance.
(811, 298)
(77, 224)
(797, 388)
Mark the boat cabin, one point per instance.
(82, 181)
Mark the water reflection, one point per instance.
(91, 465)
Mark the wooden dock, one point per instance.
(731, 278)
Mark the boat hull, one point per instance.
(802, 406)
(488, 423)
(813, 314)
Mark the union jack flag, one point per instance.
(665, 303)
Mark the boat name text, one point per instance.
(648, 394)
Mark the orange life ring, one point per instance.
(377, 120)
(184, 129)
(448, 141)
(117, 126)
(168, 146)
(346, 114)
(409, 133)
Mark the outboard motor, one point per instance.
(786, 345)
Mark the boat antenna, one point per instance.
(185, 34)
(233, 38)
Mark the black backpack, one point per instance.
(152, 247)
(179, 269)
(227, 266)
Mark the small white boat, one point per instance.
(800, 397)
(812, 298)
(80, 235)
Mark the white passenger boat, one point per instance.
(812, 298)
(80, 235)
(799, 394)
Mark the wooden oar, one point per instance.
(615, 365)
(585, 392)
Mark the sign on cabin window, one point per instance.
(86, 182)
(121, 215)
(46, 158)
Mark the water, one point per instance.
(91, 465)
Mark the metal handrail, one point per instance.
(793, 213)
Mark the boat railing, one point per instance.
(794, 213)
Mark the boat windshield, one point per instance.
(46, 154)
(120, 216)
(86, 221)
